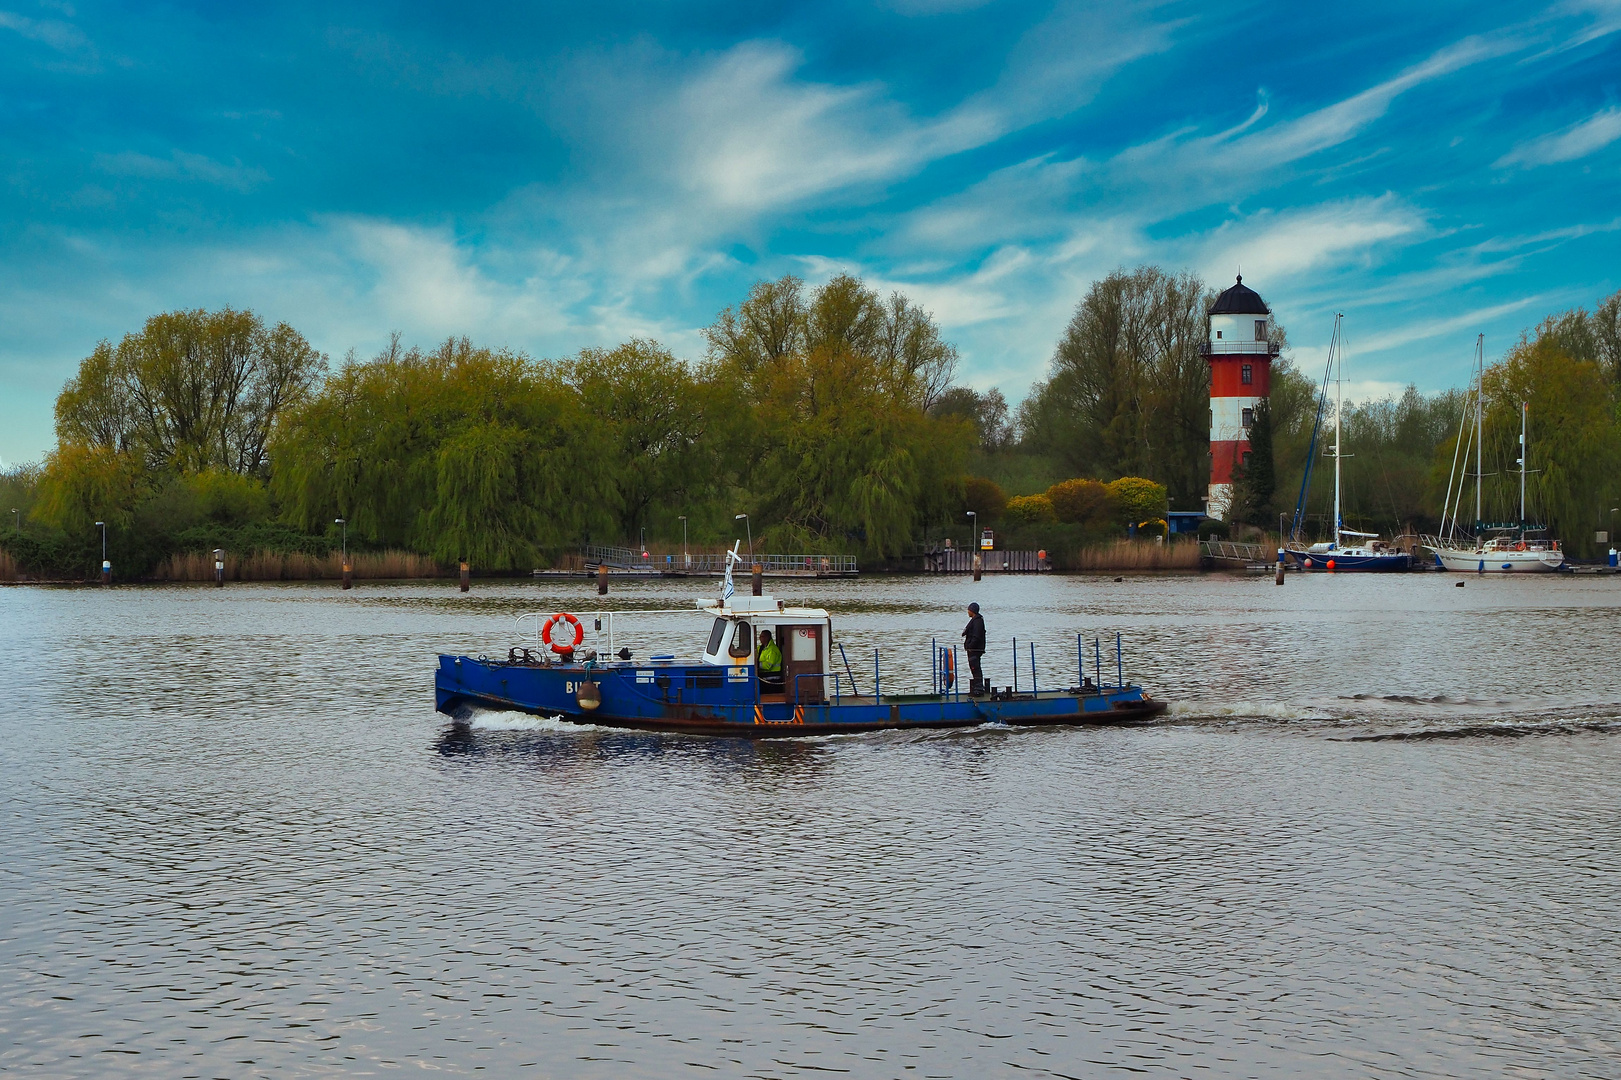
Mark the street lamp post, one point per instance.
(744, 518)
(348, 575)
(17, 518)
(106, 567)
(686, 560)
(977, 561)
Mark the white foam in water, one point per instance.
(512, 720)
(1257, 710)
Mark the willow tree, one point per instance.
(847, 461)
(657, 416)
(461, 452)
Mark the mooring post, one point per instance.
(1035, 687)
(1279, 579)
(1015, 665)
(877, 686)
(602, 579)
(1119, 663)
(1080, 662)
(348, 573)
(757, 582)
(467, 576)
(979, 565)
(106, 572)
(219, 568)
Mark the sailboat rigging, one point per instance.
(1511, 548)
(1366, 552)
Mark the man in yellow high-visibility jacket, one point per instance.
(770, 660)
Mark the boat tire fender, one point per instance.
(561, 647)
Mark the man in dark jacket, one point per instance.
(973, 643)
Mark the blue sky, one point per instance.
(550, 178)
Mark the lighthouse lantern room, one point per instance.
(1240, 350)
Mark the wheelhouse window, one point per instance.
(717, 637)
(1249, 417)
(742, 641)
(1260, 329)
(1246, 374)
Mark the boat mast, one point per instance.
(1339, 375)
(1480, 392)
(1525, 407)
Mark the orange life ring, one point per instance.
(557, 647)
(1520, 546)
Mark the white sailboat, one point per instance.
(1510, 549)
(1365, 551)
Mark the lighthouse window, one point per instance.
(1249, 417)
(1260, 329)
(1247, 374)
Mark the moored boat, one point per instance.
(1514, 547)
(1366, 552)
(722, 691)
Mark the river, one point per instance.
(1377, 835)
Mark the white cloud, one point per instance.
(1577, 141)
(182, 165)
(1278, 244)
(61, 36)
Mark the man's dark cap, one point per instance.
(974, 608)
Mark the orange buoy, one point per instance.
(1331, 564)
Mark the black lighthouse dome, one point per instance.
(1240, 300)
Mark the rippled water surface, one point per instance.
(1378, 835)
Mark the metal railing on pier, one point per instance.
(1228, 551)
(707, 562)
(961, 561)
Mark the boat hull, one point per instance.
(1499, 562)
(1393, 562)
(726, 701)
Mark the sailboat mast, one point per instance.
(1339, 373)
(1480, 392)
(1525, 407)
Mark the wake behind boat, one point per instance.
(723, 691)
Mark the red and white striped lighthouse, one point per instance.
(1240, 354)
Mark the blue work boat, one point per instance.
(722, 692)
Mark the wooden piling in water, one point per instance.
(106, 572)
(467, 576)
(1279, 579)
(219, 568)
(757, 582)
(348, 574)
(602, 579)
(979, 565)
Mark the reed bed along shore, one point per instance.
(297, 566)
(1135, 555)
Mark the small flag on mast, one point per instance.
(726, 589)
